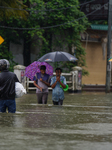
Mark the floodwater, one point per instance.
(84, 122)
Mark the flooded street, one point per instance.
(84, 122)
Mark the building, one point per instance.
(94, 40)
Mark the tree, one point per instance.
(11, 8)
(67, 35)
(64, 20)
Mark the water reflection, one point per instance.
(83, 122)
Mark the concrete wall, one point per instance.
(96, 65)
(17, 51)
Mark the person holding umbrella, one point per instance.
(58, 82)
(42, 81)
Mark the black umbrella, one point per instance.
(57, 57)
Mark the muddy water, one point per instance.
(84, 122)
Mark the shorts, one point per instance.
(10, 104)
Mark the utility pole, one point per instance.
(108, 69)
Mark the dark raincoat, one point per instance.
(7, 85)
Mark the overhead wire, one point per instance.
(83, 5)
(16, 28)
(3, 7)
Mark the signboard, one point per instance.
(1, 40)
(101, 7)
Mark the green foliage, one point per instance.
(6, 13)
(5, 54)
(45, 13)
(4, 50)
(103, 22)
(85, 72)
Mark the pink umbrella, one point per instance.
(33, 68)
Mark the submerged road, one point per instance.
(84, 122)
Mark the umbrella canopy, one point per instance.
(33, 68)
(110, 59)
(57, 56)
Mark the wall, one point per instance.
(96, 65)
(17, 51)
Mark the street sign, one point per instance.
(1, 40)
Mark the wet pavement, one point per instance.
(84, 122)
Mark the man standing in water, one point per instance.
(7, 88)
(56, 83)
(42, 81)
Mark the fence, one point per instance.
(70, 79)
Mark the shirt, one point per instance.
(7, 85)
(57, 92)
(45, 77)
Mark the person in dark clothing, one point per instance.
(7, 88)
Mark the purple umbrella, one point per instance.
(33, 68)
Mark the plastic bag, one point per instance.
(19, 90)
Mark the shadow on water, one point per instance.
(84, 122)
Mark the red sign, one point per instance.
(98, 9)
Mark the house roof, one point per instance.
(100, 27)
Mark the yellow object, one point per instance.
(1, 40)
(110, 59)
